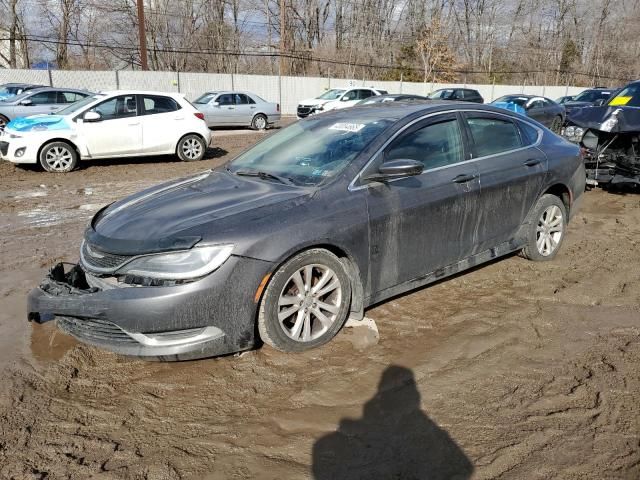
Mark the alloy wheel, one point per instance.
(261, 123)
(549, 230)
(309, 303)
(58, 159)
(192, 148)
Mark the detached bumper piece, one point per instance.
(66, 296)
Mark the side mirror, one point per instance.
(396, 169)
(26, 102)
(92, 117)
(216, 104)
(599, 102)
(345, 99)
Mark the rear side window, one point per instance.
(435, 145)
(69, 97)
(155, 104)
(242, 99)
(492, 136)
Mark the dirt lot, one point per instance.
(516, 370)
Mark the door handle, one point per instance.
(253, 108)
(464, 178)
(532, 162)
(133, 124)
(230, 108)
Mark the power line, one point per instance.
(305, 56)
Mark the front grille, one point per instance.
(303, 111)
(94, 331)
(96, 259)
(4, 148)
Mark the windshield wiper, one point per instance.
(264, 176)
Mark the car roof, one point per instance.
(399, 110)
(140, 92)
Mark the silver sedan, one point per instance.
(227, 108)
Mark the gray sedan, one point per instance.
(314, 224)
(226, 108)
(38, 101)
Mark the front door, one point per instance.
(512, 171)
(423, 223)
(119, 130)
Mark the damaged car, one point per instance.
(313, 225)
(610, 138)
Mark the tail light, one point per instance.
(200, 115)
(277, 107)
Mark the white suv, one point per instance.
(335, 99)
(112, 124)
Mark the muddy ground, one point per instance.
(516, 370)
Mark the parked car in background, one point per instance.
(9, 90)
(312, 225)
(542, 109)
(461, 94)
(589, 97)
(113, 124)
(38, 101)
(336, 99)
(393, 97)
(564, 99)
(229, 108)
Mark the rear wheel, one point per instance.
(191, 148)
(3, 122)
(259, 122)
(58, 157)
(556, 125)
(306, 302)
(546, 227)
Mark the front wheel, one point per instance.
(306, 302)
(58, 157)
(556, 124)
(3, 122)
(546, 226)
(191, 148)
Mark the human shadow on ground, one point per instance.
(394, 439)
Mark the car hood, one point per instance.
(213, 207)
(606, 118)
(38, 123)
(309, 102)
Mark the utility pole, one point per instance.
(143, 36)
(283, 42)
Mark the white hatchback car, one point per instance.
(111, 124)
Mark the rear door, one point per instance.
(244, 110)
(118, 132)
(512, 171)
(162, 120)
(423, 223)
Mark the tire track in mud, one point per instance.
(531, 369)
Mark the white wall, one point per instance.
(287, 91)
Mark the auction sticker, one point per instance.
(347, 127)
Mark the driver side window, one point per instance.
(225, 99)
(351, 95)
(124, 106)
(435, 145)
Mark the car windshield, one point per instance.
(206, 98)
(310, 152)
(589, 96)
(447, 93)
(522, 101)
(333, 94)
(74, 107)
(629, 96)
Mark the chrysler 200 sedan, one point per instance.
(312, 225)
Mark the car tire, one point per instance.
(545, 229)
(259, 122)
(58, 157)
(3, 122)
(191, 148)
(291, 320)
(556, 124)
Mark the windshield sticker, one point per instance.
(347, 127)
(619, 101)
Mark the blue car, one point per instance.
(542, 109)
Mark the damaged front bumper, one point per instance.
(211, 316)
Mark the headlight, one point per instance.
(194, 263)
(574, 134)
